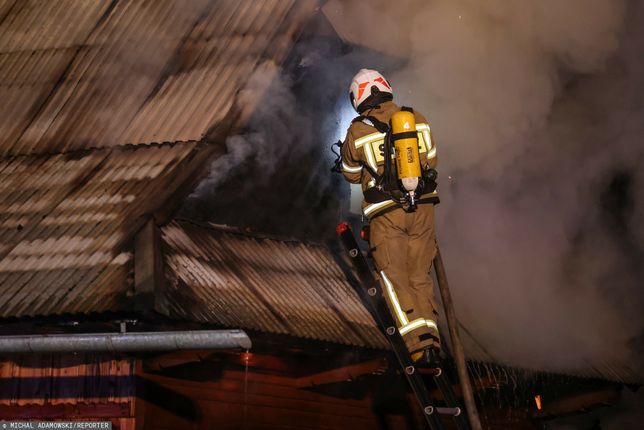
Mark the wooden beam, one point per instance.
(480, 384)
(346, 373)
(148, 270)
(283, 364)
(175, 358)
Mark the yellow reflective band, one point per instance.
(427, 137)
(375, 206)
(378, 149)
(368, 139)
(422, 126)
(350, 169)
(368, 150)
(402, 317)
(418, 323)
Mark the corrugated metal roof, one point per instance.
(79, 76)
(235, 280)
(64, 220)
(96, 73)
(226, 277)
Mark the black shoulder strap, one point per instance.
(372, 121)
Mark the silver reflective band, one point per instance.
(368, 139)
(424, 131)
(405, 325)
(350, 169)
(402, 317)
(368, 151)
(418, 323)
(375, 206)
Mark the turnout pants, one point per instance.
(403, 247)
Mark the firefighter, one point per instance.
(402, 238)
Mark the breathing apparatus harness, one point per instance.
(405, 181)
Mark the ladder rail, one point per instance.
(457, 345)
(371, 294)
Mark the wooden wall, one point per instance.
(253, 400)
(57, 387)
(200, 390)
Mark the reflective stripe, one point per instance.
(365, 143)
(402, 317)
(368, 138)
(426, 131)
(368, 150)
(422, 126)
(350, 169)
(375, 206)
(371, 151)
(418, 323)
(405, 325)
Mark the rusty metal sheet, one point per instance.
(97, 74)
(64, 220)
(226, 277)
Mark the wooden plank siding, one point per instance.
(254, 400)
(87, 387)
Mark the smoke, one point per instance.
(536, 107)
(537, 111)
(258, 144)
(275, 176)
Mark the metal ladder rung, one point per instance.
(456, 411)
(430, 371)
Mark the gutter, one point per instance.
(126, 342)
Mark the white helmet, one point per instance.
(361, 87)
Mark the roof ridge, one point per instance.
(241, 231)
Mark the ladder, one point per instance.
(371, 294)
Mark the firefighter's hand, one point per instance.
(337, 167)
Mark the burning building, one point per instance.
(132, 129)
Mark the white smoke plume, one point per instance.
(274, 176)
(254, 144)
(536, 108)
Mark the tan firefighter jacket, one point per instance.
(364, 145)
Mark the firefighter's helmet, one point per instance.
(367, 83)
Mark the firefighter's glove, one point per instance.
(429, 183)
(337, 167)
